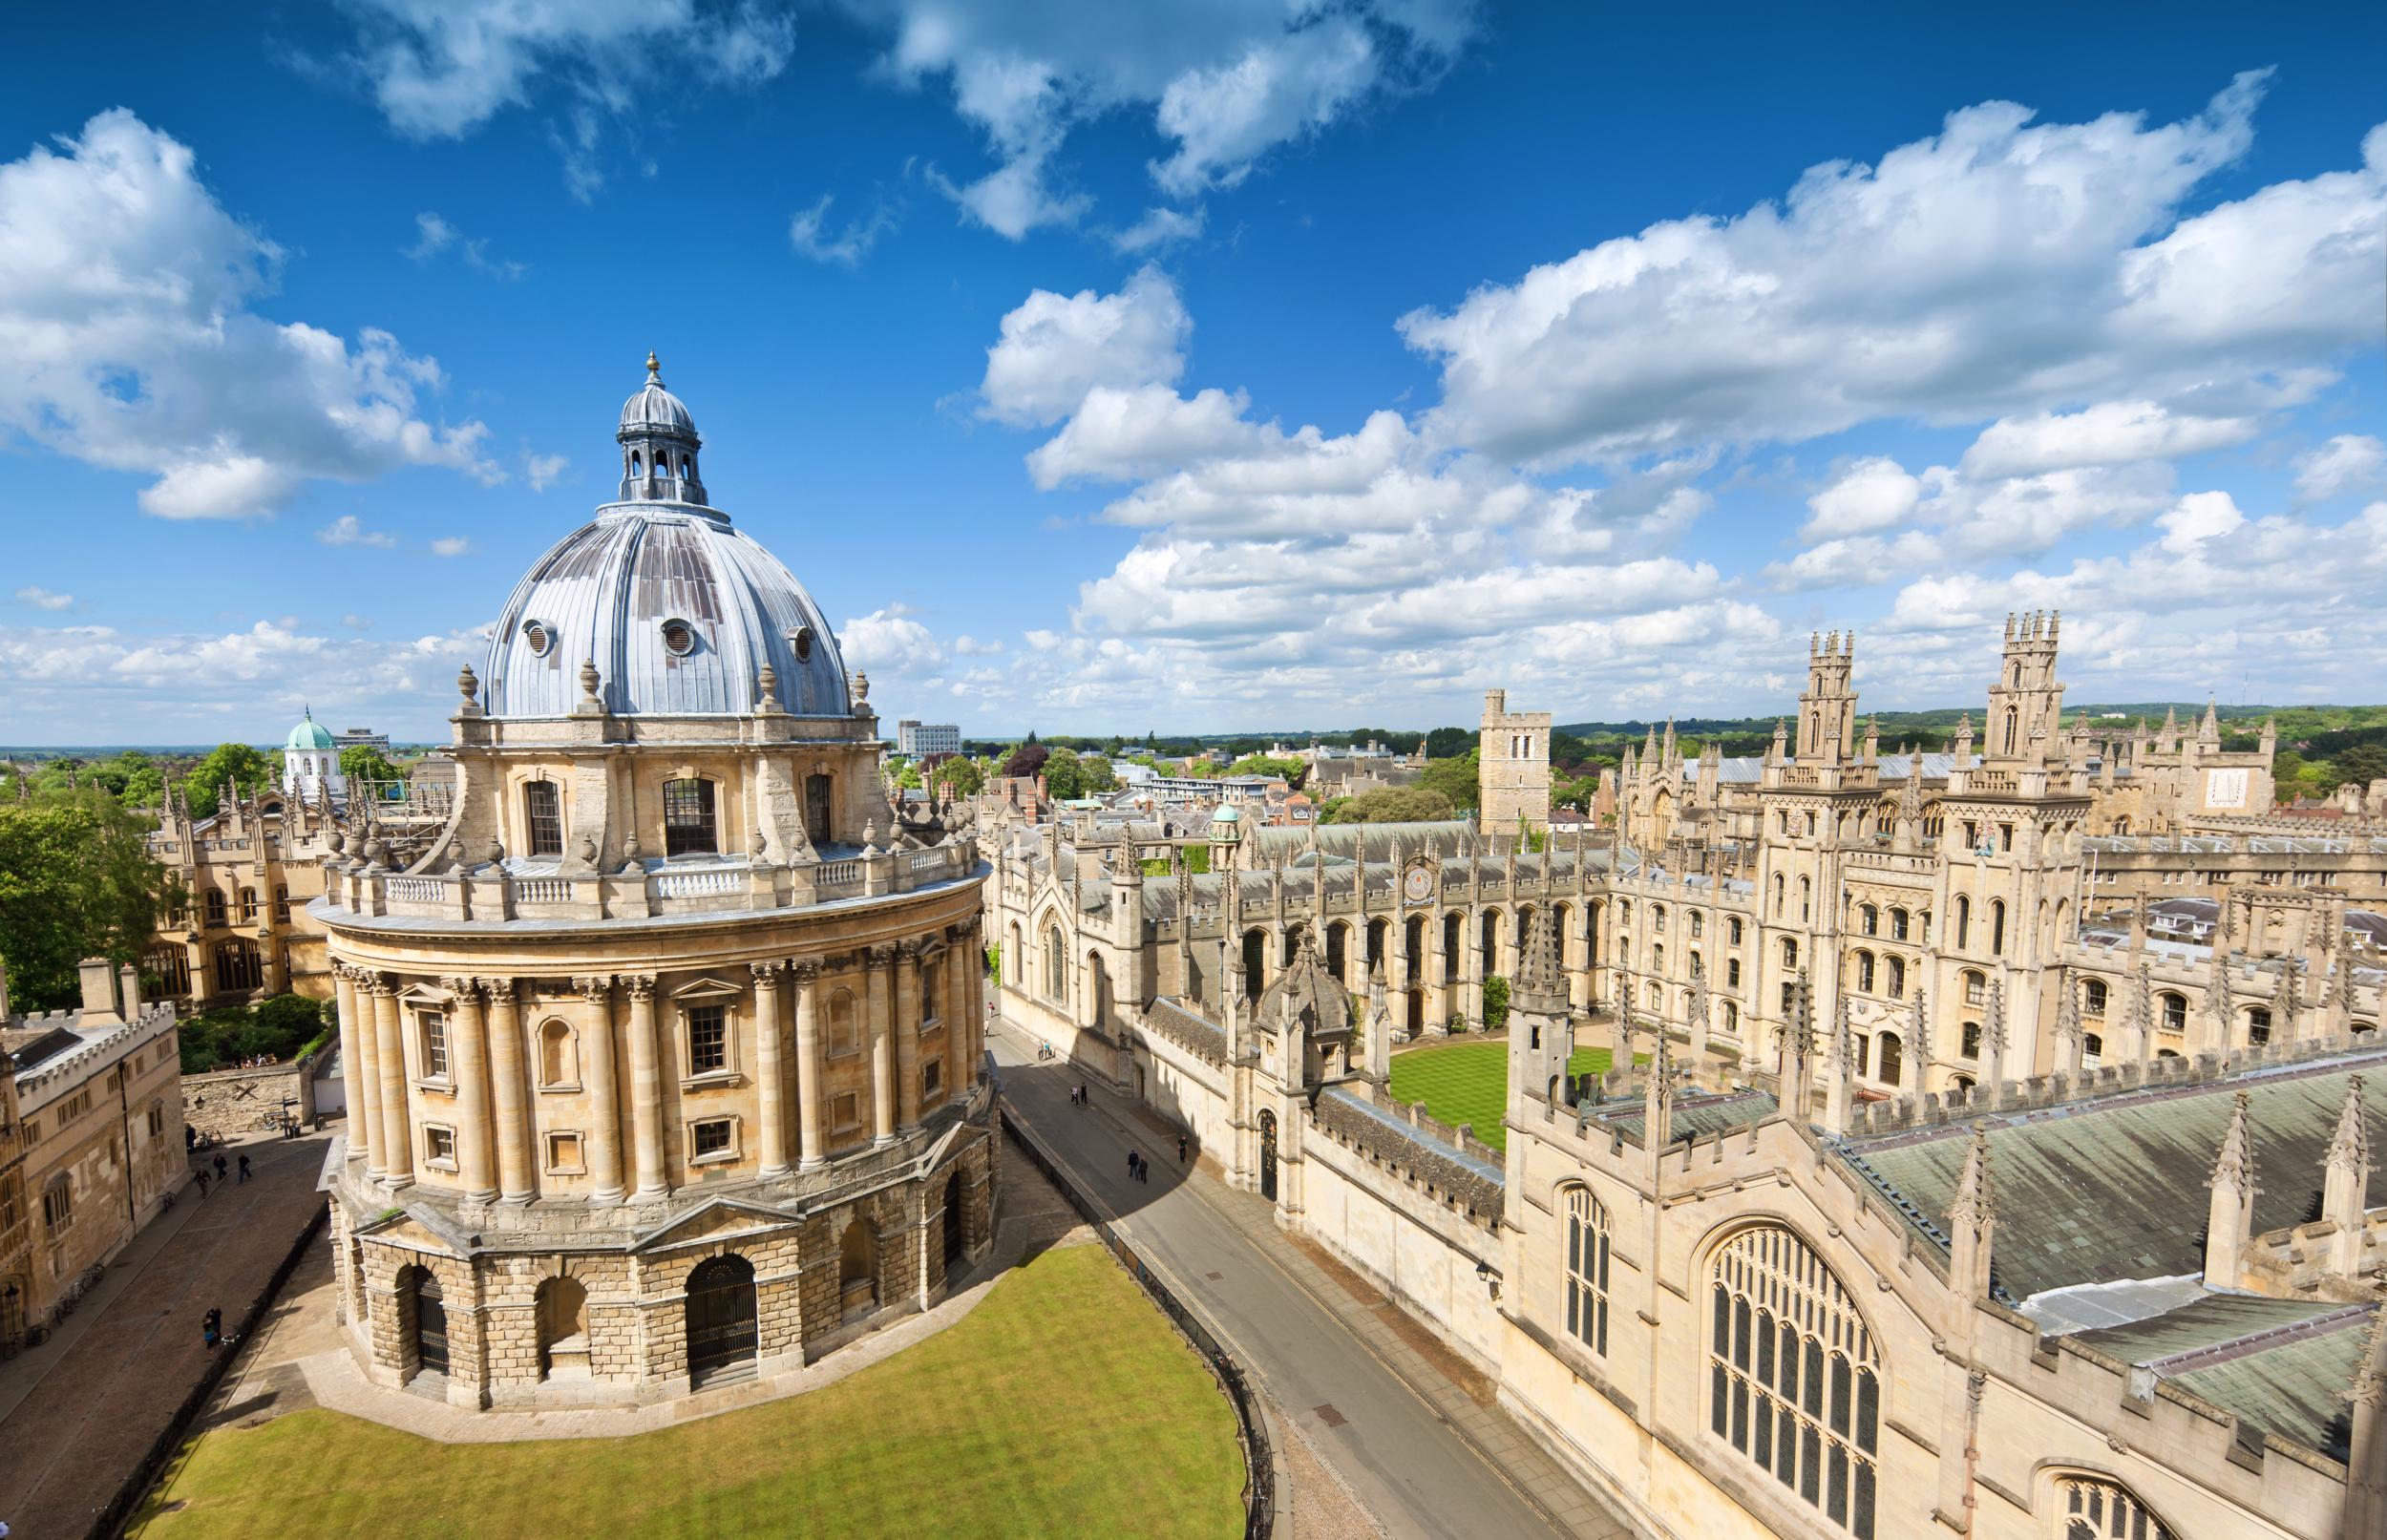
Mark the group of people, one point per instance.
(223, 1169)
(211, 1328)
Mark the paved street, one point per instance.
(1403, 1433)
(78, 1415)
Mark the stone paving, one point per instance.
(78, 1415)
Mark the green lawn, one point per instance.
(1469, 1082)
(1062, 1405)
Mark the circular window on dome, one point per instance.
(678, 640)
(541, 639)
(802, 636)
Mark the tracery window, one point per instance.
(2093, 1510)
(1056, 966)
(1793, 1379)
(1587, 1270)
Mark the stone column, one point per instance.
(770, 1069)
(881, 1010)
(809, 1096)
(517, 1169)
(605, 1089)
(469, 1052)
(646, 1088)
(395, 1140)
(954, 1008)
(355, 1050)
(907, 1035)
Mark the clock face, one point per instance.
(1419, 885)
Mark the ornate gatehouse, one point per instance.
(665, 1054)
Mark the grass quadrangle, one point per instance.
(1469, 1082)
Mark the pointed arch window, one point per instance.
(1056, 966)
(1794, 1378)
(2091, 1508)
(1587, 1270)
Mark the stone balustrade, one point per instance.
(729, 888)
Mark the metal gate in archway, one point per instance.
(721, 1333)
(431, 1323)
(1268, 1156)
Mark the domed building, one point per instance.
(664, 1054)
(310, 762)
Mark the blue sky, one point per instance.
(1202, 368)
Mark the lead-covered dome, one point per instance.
(679, 612)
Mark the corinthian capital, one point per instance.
(596, 986)
(500, 990)
(641, 987)
(461, 986)
(766, 972)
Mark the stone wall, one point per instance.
(234, 1103)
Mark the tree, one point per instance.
(2362, 764)
(909, 776)
(75, 882)
(1495, 1004)
(1454, 778)
(1290, 772)
(1098, 777)
(1575, 793)
(363, 762)
(1064, 775)
(961, 777)
(236, 764)
(1391, 805)
(1449, 743)
(1026, 759)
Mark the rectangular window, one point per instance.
(439, 1146)
(57, 1204)
(713, 1137)
(157, 1121)
(435, 1045)
(687, 818)
(708, 1039)
(563, 1154)
(932, 1079)
(845, 1111)
(543, 801)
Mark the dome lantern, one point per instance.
(659, 444)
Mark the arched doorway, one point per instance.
(419, 1289)
(1268, 1155)
(954, 1236)
(816, 808)
(721, 1333)
(562, 1310)
(1416, 1012)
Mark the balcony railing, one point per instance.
(727, 888)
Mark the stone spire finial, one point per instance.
(2138, 1025)
(1975, 1203)
(2235, 1166)
(1921, 1046)
(2230, 1216)
(2350, 1146)
(1539, 986)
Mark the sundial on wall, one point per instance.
(1417, 884)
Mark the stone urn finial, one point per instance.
(589, 680)
(861, 688)
(869, 837)
(467, 685)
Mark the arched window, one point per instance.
(1657, 958)
(1897, 989)
(1898, 922)
(2175, 1008)
(2257, 1026)
(1794, 1383)
(559, 1056)
(542, 818)
(1971, 1040)
(1790, 952)
(1656, 919)
(2092, 1508)
(2092, 1050)
(1865, 973)
(1777, 892)
(1732, 1015)
(1587, 1270)
(1868, 920)
(1732, 931)
(2093, 998)
(1806, 897)
(1699, 967)
(2014, 719)
(213, 904)
(1056, 966)
(1732, 973)
(687, 818)
(236, 968)
(1975, 988)
(858, 1267)
(1997, 927)
(1964, 921)
(1699, 924)
(1892, 1056)
(171, 967)
(247, 907)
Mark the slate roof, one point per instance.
(1184, 1023)
(2282, 1366)
(1695, 1116)
(2115, 1187)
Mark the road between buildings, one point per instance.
(1410, 1446)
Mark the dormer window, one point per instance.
(678, 639)
(802, 638)
(541, 640)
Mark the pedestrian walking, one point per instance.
(208, 1332)
(1143, 1170)
(244, 1167)
(200, 1176)
(1130, 1164)
(1180, 1150)
(222, 1167)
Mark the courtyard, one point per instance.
(1469, 1082)
(1063, 1403)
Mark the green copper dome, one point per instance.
(309, 734)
